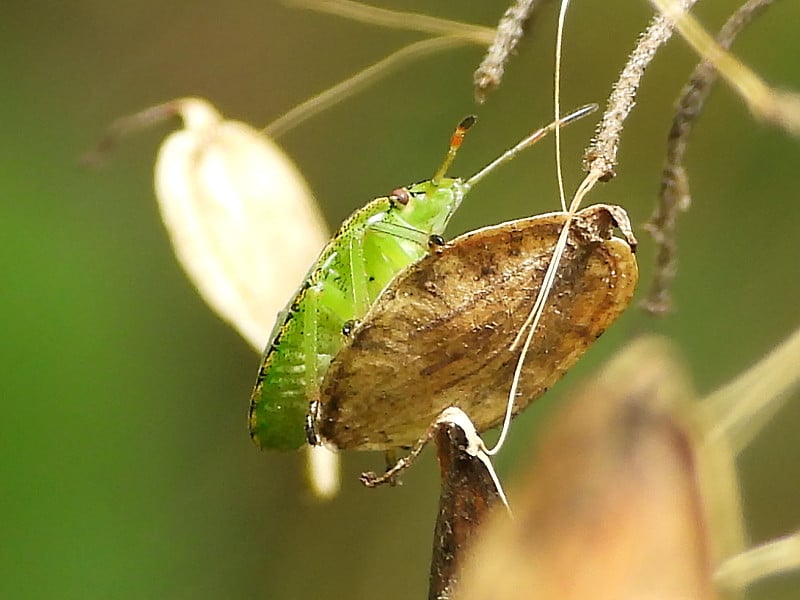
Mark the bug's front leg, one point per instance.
(392, 252)
(403, 232)
(310, 346)
(358, 271)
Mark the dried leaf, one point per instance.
(439, 334)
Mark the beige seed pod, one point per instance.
(244, 226)
(242, 221)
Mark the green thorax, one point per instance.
(432, 203)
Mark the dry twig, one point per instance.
(674, 195)
(509, 31)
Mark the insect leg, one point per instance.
(371, 479)
(312, 437)
(475, 447)
(358, 271)
(358, 260)
(404, 232)
(310, 348)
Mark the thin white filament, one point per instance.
(557, 100)
(532, 322)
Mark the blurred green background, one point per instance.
(126, 467)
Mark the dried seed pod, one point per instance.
(241, 219)
(439, 335)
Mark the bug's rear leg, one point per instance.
(310, 347)
(358, 274)
(312, 416)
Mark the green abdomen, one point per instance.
(311, 333)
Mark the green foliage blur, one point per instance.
(126, 467)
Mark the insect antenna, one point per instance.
(530, 140)
(455, 143)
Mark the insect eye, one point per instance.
(400, 195)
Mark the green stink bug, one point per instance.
(372, 246)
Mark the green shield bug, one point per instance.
(372, 246)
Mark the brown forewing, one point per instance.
(439, 335)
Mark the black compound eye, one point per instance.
(348, 327)
(435, 240)
(400, 195)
